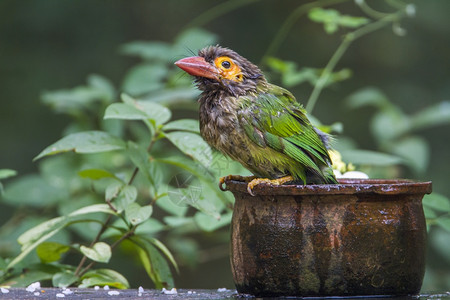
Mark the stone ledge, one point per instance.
(79, 293)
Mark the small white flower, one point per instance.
(221, 290)
(398, 30)
(4, 291)
(60, 295)
(67, 292)
(36, 293)
(96, 287)
(106, 287)
(410, 10)
(113, 293)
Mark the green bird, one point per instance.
(256, 123)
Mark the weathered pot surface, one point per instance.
(359, 237)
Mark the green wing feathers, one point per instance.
(274, 119)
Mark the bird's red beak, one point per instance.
(197, 66)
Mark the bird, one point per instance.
(258, 124)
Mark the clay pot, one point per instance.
(359, 237)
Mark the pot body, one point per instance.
(360, 237)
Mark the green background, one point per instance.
(48, 45)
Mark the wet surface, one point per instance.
(76, 293)
(56, 293)
(345, 186)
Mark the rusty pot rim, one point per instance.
(345, 187)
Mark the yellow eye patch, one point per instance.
(228, 69)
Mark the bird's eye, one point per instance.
(226, 64)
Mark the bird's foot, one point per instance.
(233, 177)
(278, 181)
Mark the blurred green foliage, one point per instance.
(136, 183)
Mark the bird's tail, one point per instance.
(325, 177)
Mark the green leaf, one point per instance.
(157, 51)
(196, 196)
(171, 96)
(183, 125)
(102, 277)
(352, 22)
(440, 242)
(437, 202)
(133, 109)
(102, 84)
(292, 76)
(127, 195)
(150, 227)
(368, 97)
(51, 251)
(156, 112)
(84, 142)
(34, 273)
(332, 19)
(389, 124)
(112, 190)
(95, 208)
(33, 190)
(151, 169)
(429, 213)
(27, 248)
(40, 233)
(209, 223)
(202, 174)
(73, 100)
(64, 279)
(96, 174)
(136, 214)
(100, 252)
(192, 145)
(438, 114)
(155, 264)
(175, 221)
(5, 173)
(443, 222)
(170, 206)
(35, 233)
(125, 112)
(414, 150)
(371, 158)
(144, 78)
(157, 243)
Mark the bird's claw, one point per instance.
(223, 180)
(256, 181)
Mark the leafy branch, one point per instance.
(348, 39)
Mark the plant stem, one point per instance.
(78, 271)
(96, 239)
(290, 21)
(116, 243)
(149, 148)
(348, 39)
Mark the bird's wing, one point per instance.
(275, 119)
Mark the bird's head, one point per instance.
(218, 68)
